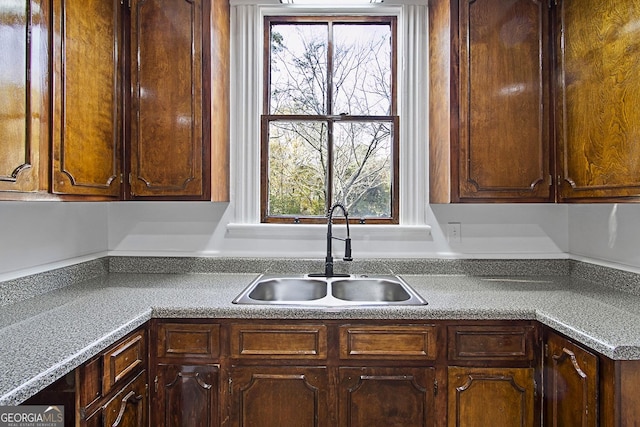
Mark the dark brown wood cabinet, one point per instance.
(111, 388)
(279, 396)
(185, 373)
(571, 384)
(598, 122)
(503, 134)
(491, 397)
(492, 366)
(186, 395)
(534, 101)
(24, 95)
(375, 396)
(170, 105)
(139, 94)
(231, 372)
(88, 82)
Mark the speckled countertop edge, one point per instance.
(66, 326)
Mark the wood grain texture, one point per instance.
(386, 396)
(186, 395)
(441, 116)
(491, 397)
(598, 49)
(571, 384)
(24, 95)
(87, 117)
(169, 101)
(279, 396)
(504, 93)
(220, 104)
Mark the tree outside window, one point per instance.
(329, 129)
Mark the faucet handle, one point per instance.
(347, 249)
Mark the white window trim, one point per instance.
(247, 21)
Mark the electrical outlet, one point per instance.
(454, 232)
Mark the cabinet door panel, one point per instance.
(279, 397)
(128, 408)
(597, 108)
(504, 94)
(87, 121)
(491, 397)
(370, 397)
(168, 135)
(187, 396)
(571, 392)
(23, 94)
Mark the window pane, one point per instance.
(363, 167)
(297, 168)
(362, 77)
(299, 69)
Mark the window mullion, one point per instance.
(329, 107)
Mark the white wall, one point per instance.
(35, 235)
(607, 232)
(200, 229)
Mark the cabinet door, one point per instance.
(571, 389)
(87, 97)
(599, 91)
(504, 135)
(497, 397)
(170, 123)
(279, 397)
(374, 396)
(128, 408)
(23, 94)
(186, 396)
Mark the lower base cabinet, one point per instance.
(381, 397)
(279, 396)
(186, 395)
(230, 373)
(496, 397)
(571, 384)
(128, 408)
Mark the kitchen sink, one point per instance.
(304, 290)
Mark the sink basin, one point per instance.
(329, 291)
(288, 289)
(366, 289)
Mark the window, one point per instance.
(329, 128)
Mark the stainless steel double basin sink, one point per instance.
(334, 291)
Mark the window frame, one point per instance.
(266, 117)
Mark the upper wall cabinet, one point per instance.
(503, 131)
(597, 114)
(139, 93)
(87, 97)
(24, 95)
(534, 101)
(500, 129)
(170, 100)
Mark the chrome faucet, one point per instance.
(328, 262)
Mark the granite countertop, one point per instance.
(46, 336)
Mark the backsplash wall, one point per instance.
(37, 234)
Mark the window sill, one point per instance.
(318, 231)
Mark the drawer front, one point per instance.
(122, 359)
(388, 342)
(491, 342)
(279, 341)
(200, 341)
(89, 377)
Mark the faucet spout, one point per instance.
(328, 265)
